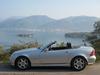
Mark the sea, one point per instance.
(11, 37)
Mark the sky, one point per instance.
(56, 9)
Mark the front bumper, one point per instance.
(12, 62)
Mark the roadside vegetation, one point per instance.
(17, 47)
(4, 56)
(96, 45)
(95, 39)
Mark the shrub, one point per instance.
(91, 37)
(17, 47)
(1, 50)
(4, 56)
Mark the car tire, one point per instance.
(22, 63)
(78, 63)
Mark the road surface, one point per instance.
(89, 70)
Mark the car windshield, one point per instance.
(47, 46)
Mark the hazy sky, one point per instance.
(52, 8)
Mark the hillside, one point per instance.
(73, 24)
(26, 22)
(42, 22)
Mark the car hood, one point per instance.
(27, 50)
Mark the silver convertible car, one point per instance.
(76, 57)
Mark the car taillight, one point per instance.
(93, 53)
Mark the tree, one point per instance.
(97, 27)
(1, 50)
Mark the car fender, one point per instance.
(80, 55)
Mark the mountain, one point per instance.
(26, 22)
(42, 22)
(73, 24)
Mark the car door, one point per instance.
(54, 56)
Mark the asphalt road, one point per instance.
(89, 70)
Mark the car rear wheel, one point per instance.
(22, 63)
(78, 63)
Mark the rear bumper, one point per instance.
(91, 59)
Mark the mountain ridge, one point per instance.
(43, 22)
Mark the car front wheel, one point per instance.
(22, 63)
